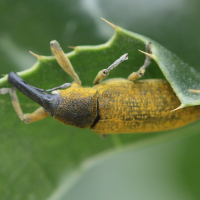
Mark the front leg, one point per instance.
(38, 114)
(63, 61)
(105, 72)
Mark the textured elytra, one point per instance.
(139, 107)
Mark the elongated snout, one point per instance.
(47, 101)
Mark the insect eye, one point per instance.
(105, 72)
(25, 82)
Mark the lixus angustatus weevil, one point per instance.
(109, 107)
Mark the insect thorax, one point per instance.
(77, 106)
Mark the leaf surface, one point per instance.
(46, 153)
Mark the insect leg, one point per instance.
(105, 72)
(63, 86)
(102, 136)
(27, 118)
(141, 71)
(63, 61)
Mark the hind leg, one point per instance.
(27, 118)
(141, 71)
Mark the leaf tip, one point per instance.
(75, 48)
(181, 106)
(194, 91)
(111, 24)
(37, 56)
(148, 54)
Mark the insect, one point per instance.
(109, 107)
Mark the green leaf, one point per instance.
(38, 160)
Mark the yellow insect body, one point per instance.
(109, 107)
(122, 106)
(141, 106)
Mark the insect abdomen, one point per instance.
(140, 106)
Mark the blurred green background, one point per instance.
(168, 170)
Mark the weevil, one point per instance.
(113, 106)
